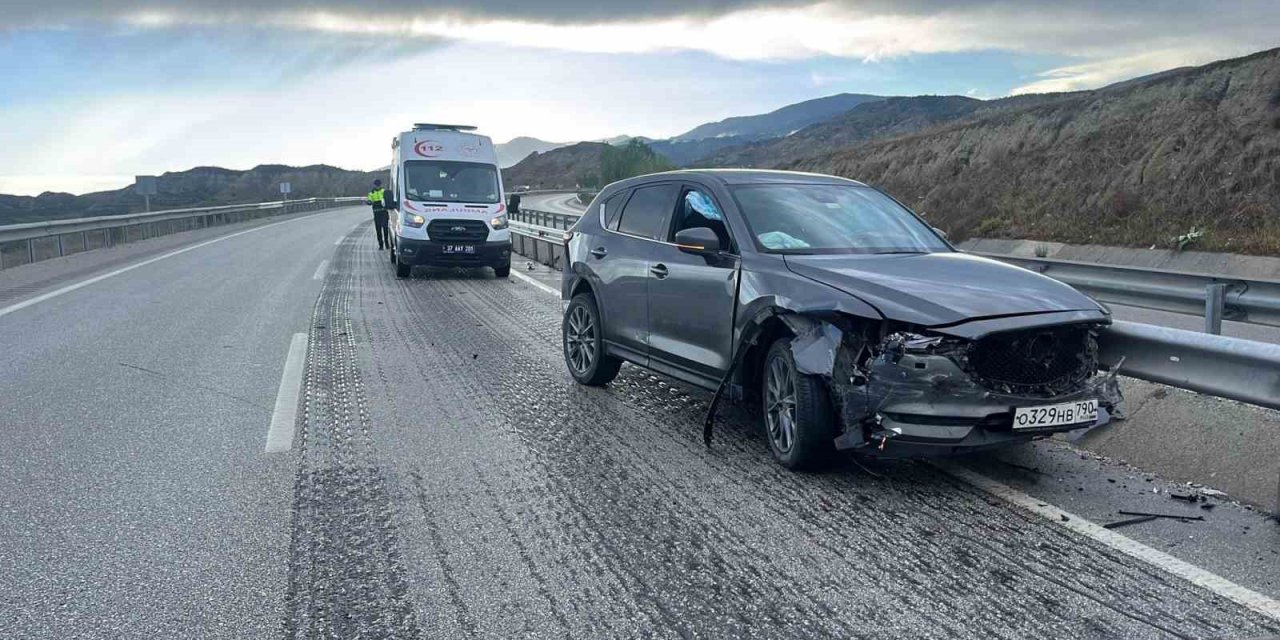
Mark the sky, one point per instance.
(94, 92)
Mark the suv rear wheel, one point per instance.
(584, 355)
(797, 412)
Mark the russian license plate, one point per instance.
(459, 248)
(1056, 415)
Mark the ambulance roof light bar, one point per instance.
(430, 126)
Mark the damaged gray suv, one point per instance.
(852, 323)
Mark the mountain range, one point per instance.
(1138, 162)
(201, 186)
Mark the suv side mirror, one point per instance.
(701, 240)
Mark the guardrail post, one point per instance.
(1214, 296)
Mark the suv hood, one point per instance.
(939, 289)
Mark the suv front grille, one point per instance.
(1041, 362)
(458, 230)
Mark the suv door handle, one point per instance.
(659, 270)
(599, 252)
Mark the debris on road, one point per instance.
(1124, 523)
(1171, 516)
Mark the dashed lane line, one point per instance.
(319, 274)
(285, 415)
(1128, 546)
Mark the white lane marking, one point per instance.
(280, 434)
(339, 241)
(535, 283)
(1128, 546)
(319, 274)
(84, 283)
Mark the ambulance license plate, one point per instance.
(1056, 415)
(460, 248)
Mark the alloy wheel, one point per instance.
(580, 340)
(780, 404)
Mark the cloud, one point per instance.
(1095, 74)
(1110, 39)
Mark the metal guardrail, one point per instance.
(1216, 297)
(548, 219)
(1232, 368)
(30, 242)
(542, 243)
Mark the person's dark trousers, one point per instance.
(380, 218)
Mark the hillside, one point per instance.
(517, 149)
(1136, 163)
(201, 186)
(778, 122)
(711, 138)
(867, 121)
(561, 168)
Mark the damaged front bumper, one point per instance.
(909, 397)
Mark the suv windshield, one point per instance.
(446, 181)
(825, 218)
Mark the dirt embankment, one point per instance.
(1136, 164)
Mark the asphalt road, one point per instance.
(502, 500)
(552, 202)
(449, 480)
(137, 501)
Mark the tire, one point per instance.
(808, 442)
(403, 270)
(583, 346)
(504, 271)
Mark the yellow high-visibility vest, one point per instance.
(375, 196)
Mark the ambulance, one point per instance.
(445, 201)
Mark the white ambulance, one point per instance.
(445, 200)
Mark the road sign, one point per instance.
(286, 188)
(146, 187)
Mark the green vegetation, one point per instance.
(618, 163)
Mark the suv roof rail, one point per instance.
(431, 126)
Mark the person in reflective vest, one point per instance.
(380, 217)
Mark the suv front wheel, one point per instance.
(798, 419)
(581, 332)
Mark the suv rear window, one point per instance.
(646, 211)
(612, 207)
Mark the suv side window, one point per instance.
(698, 209)
(612, 207)
(646, 211)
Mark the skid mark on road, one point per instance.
(345, 574)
